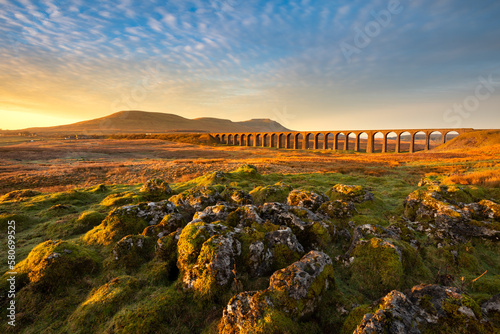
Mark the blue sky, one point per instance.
(308, 64)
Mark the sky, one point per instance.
(308, 64)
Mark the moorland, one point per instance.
(123, 235)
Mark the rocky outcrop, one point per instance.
(293, 292)
(129, 219)
(196, 199)
(440, 212)
(155, 190)
(491, 309)
(133, 250)
(425, 309)
(277, 192)
(338, 209)
(54, 263)
(351, 193)
(306, 199)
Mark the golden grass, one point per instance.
(487, 178)
(61, 165)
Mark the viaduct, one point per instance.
(340, 140)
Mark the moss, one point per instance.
(120, 199)
(284, 256)
(163, 310)
(155, 190)
(426, 304)
(102, 304)
(457, 322)
(119, 223)
(376, 268)
(52, 264)
(355, 316)
(17, 195)
(274, 193)
(134, 250)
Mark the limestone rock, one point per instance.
(491, 309)
(129, 219)
(293, 292)
(351, 193)
(133, 250)
(196, 199)
(426, 308)
(338, 209)
(274, 193)
(439, 212)
(306, 199)
(170, 223)
(156, 189)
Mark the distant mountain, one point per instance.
(134, 121)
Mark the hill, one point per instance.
(134, 121)
(474, 139)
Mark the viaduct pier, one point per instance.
(337, 140)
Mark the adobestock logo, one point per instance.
(460, 111)
(364, 37)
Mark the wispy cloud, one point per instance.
(237, 57)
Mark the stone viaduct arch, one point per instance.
(419, 139)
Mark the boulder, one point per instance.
(170, 223)
(306, 199)
(236, 196)
(133, 250)
(351, 193)
(196, 199)
(293, 292)
(127, 220)
(52, 264)
(438, 212)
(155, 190)
(214, 213)
(425, 309)
(277, 192)
(491, 309)
(338, 209)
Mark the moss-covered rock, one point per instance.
(170, 223)
(213, 270)
(133, 250)
(214, 213)
(377, 267)
(155, 190)
(426, 309)
(338, 209)
(351, 193)
(491, 309)
(277, 192)
(244, 216)
(166, 251)
(126, 220)
(306, 199)
(293, 292)
(439, 212)
(236, 196)
(196, 199)
(102, 304)
(52, 264)
(312, 230)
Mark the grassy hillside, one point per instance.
(471, 140)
